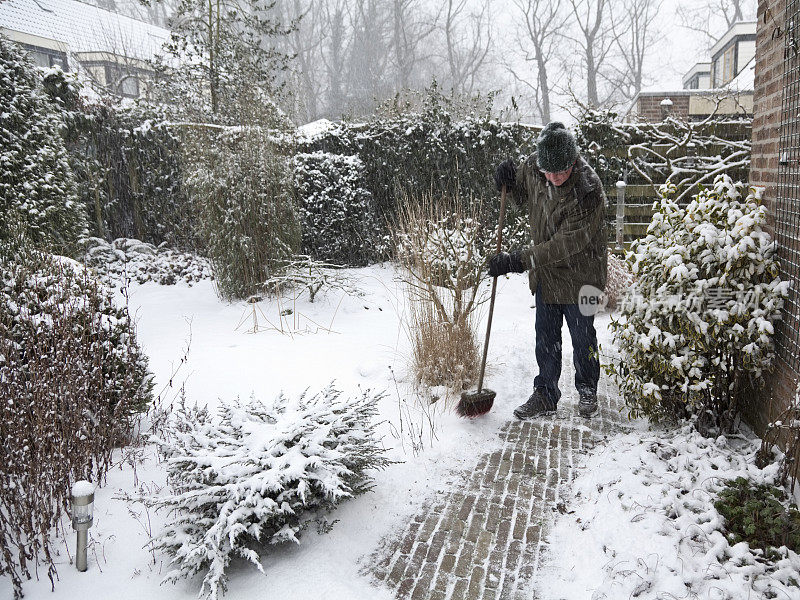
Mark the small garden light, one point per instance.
(82, 518)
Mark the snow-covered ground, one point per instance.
(641, 521)
(642, 524)
(366, 347)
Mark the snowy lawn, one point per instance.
(642, 524)
(367, 348)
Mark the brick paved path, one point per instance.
(483, 540)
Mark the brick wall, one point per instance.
(648, 108)
(768, 98)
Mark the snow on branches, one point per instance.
(38, 193)
(127, 259)
(686, 154)
(696, 332)
(340, 224)
(258, 473)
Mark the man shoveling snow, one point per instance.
(566, 262)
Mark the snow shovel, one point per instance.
(479, 402)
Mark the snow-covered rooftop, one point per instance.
(82, 27)
(701, 67)
(745, 81)
(737, 29)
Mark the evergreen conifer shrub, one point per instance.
(37, 186)
(695, 333)
(432, 147)
(240, 180)
(256, 474)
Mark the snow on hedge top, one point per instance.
(310, 131)
(80, 27)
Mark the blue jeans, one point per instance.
(548, 347)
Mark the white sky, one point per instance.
(673, 55)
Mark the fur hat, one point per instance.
(556, 149)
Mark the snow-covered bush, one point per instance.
(240, 179)
(37, 188)
(339, 223)
(442, 247)
(303, 274)
(125, 260)
(37, 288)
(695, 336)
(432, 147)
(257, 473)
(72, 379)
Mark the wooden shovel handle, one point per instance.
(494, 288)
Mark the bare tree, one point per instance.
(633, 34)
(334, 51)
(368, 54)
(595, 39)
(541, 27)
(468, 39)
(411, 27)
(304, 44)
(709, 17)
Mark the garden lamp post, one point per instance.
(82, 518)
(621, 185)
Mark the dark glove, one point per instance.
(506, 262)
(505, 174)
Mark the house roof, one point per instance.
(737, 29)
(82, 27)
(701, 67)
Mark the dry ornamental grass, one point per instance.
(442, 246)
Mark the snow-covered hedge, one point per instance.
(340, 225)
(38, 192)
(72, 377)
(433, 149)
(126, 161)
(257, 473)
(132, 260)
(695, 334)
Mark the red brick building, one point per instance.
(721, 86)
(776, 167)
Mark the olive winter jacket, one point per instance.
(567, 230)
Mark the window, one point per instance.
(129, 86)
(123, 81)
(46, 58)
(716, 72)
(728, 71)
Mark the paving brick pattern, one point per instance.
(483, 540)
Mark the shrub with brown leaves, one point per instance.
(72, 379)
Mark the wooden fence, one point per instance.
(629, 208)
